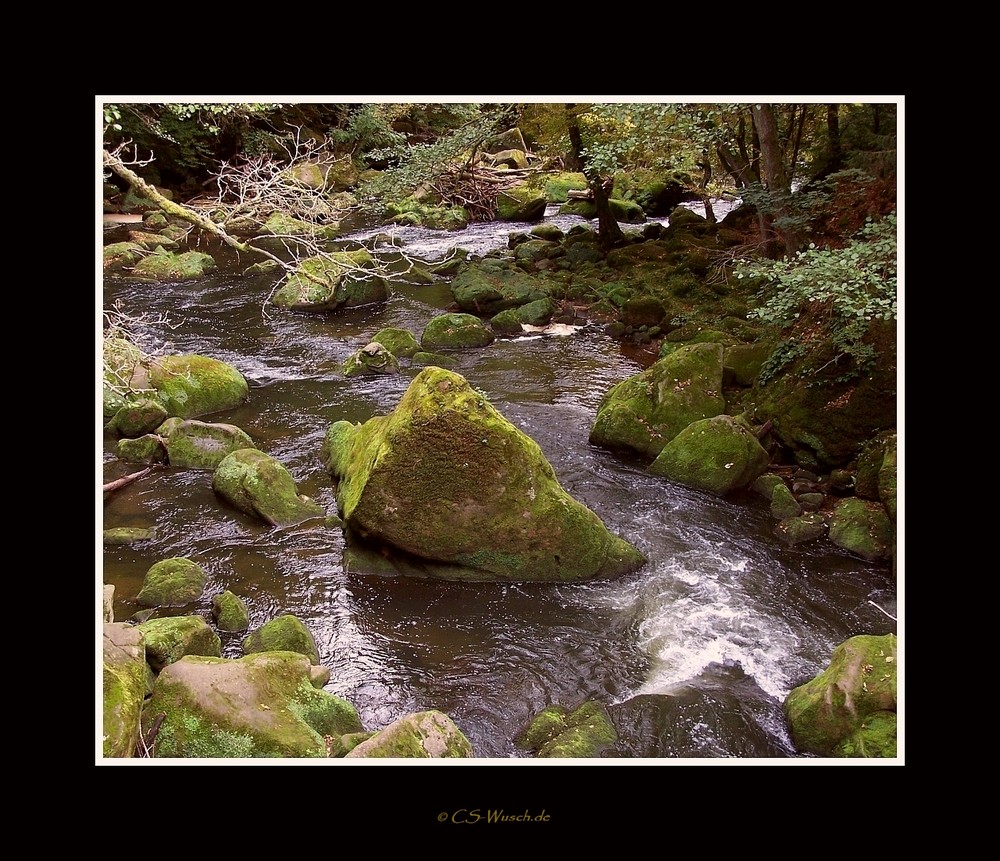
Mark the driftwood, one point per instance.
(580, 194)
(125, 480)
(765, 429)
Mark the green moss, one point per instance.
(399, 342)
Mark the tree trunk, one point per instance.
(833, 132)
(777, 180)
(706, 178)
(609, 234)
(574, 159)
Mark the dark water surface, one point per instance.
(692, 654)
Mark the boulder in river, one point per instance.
(259, 485)
(343, 279)
(446, 478)
(646, 411)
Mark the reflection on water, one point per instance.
(692, 654)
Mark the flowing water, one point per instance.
(692, 654)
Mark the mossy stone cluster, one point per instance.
(646, 411)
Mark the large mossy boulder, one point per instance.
(718, 455)
(192, 385)
(428, 734)
(263, 705)
(284, 634)
(193, 444)
(456, 332)
(343, 279)
(490, 287)
(643, 413)
(124, 687)
(446, 478)
(259, 485)
(849, 710)
(172, 583)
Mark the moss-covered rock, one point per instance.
(863, 528)
(845, 710)
(124, 687)
(138, 417)
(455, 332)
(128, 535)
(373, 358)
(488, 288)
(262, 705)
(521, 203)
(783, 503)
(718, 455)
(887, 479)
(192, 385)
(742, 362)
(172, 583)
(193, 444)
(229, 612)
(425, 358)
(799, 530)
(148, 448)
(421, 735)
(400, 342)
(513, 320)
(343, 279)
(583, 734)
(646, 411)
(280, 224)
(626, 211)
(168, 266)
(259, 485)
(284, 634)
(171, 638)
(446, 478)
(119, 255)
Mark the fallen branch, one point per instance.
(876, 606)
(125, 480)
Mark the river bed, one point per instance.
(692, 654)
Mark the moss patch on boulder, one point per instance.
(259, 485)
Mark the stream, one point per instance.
(692, 654)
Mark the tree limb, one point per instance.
(125, 480)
